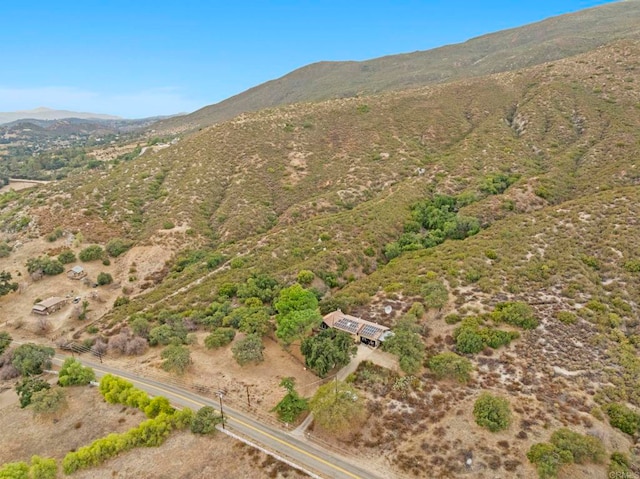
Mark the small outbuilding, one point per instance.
(77, 272)
(361, 330)
(49, 305)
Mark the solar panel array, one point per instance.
(370, 331)
(347, 325)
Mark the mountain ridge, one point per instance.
(548, 40)
(44, 113)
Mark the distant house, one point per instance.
(48, 306)
(77, 272)
(361, 330)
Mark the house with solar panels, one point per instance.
(361, 330)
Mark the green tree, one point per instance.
(408, 346)
(5, 341)
(295, 324)
(177, 358)
(248, 350)
(328, 349)
(140, 326)
(219, 337)
(337, 407)
(48, 401)
(6, 286)
(205, 421)
(53, 267)
(117, 246)
(44, 265)
(73, 373)
(254, 320)
(295, 298)
(158, 405)
(43, 468)
(548, 459)
(435, 294)
(450, 365)
(392, 250)
(66, 257)
(492, 412)
(292, 405)
(27, 386)
(91, 253)
(305, 276)
(175, 332)
(583, 448)
(31, 359)
(515, 313)
(104, 278)
(14, 470)
(565, 447)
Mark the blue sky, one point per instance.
(138, 58)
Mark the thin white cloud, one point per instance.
(139, 104)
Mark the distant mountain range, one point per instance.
(549, 40)
(44, 113)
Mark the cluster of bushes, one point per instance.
(515, 313)
(451, 366)
(565, 447)
(91, 253)
(623, 418)
(55, 234)
(292, 405)
(5, 249)
(40, 468)
(177, 358)
(471, 337)
(248, 350)
(32, 359)
(432, 222)
(497, 183)
(116, 390)
(73, 373)
(219, 337)
(406, 343)
(117, 246)
(151, 433)
(187, 258)
(492, 412)
(6, 285)
(44, 265)
(67, 256)
(104, 279)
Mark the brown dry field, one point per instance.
(87, 417)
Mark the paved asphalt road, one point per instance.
(309, 456)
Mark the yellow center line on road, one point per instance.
(270, 436)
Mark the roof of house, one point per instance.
(47, 303)
(354, 325)
(77, 269)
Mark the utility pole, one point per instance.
(220, 394)
(248, 400)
